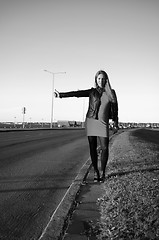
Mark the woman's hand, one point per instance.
(56, 94)
(115, 130)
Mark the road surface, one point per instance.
(36, 169)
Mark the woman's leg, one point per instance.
(94, 157)
(104, 143)
(93, 151)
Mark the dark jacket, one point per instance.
(94, 95)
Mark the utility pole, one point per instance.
(23, 112)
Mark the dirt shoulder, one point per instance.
(129, 206)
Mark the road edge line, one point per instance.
(56, 225)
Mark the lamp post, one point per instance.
(52, 104)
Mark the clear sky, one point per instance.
(78, 37)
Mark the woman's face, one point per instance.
(101, 80)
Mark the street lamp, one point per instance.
(52, 105)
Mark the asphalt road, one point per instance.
(36, 169)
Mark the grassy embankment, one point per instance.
(130, 203)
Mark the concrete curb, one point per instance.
(58, 221)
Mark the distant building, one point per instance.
(61, 123)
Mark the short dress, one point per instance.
(99, 127)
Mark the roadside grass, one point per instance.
(130, 205)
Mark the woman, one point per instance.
(103, 106)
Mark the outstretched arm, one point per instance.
(79, 93)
